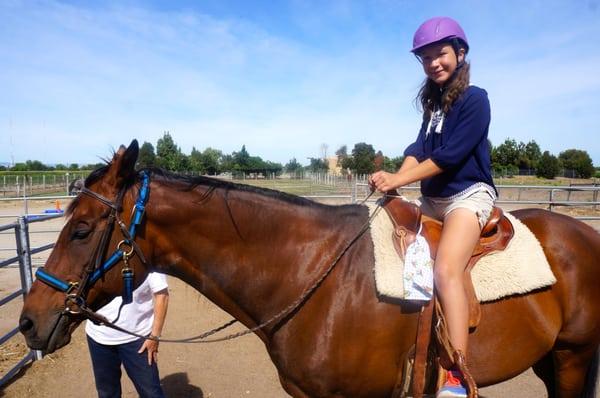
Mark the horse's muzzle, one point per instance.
(47, 336)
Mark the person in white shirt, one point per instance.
(109, 348)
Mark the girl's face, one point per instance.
(439, 61)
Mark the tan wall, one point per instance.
(333, 167)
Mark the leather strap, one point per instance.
(422, 348)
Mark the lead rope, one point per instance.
(201, 338)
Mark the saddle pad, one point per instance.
(520, 268)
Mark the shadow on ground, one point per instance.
(178, 385)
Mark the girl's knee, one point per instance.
(447, 276)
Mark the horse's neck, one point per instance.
(249, 253)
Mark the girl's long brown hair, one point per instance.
(431, 95)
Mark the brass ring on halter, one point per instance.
(126, 243)
(75, 299)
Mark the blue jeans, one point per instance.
(107, 360)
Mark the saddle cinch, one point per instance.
(407, 220)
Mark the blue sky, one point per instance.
(284, 78)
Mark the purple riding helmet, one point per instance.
(439, 29)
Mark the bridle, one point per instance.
(76, 291)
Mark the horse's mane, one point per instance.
(191, 182)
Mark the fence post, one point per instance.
(25, 206)
(551, 199)
(24, 253)
(354, 190)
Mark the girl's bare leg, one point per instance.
(459, 236)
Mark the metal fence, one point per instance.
(35, 183)
(23, 259)
(551, 203)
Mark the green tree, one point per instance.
(533, 153)
(168, 154)
(91, 166)
(363, 158)
(195, 161)
(548, 166)
(19, 167)
(73, 166)
(392, 165)
(206, 162)
(273, 167)
(147, 157)
(241, 160)
(578, 161)
(293, 167)
(227, 163)
(506, 153)
(211, 159)
(318, 165)
(35, 165)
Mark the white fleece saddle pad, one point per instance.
(520, 268)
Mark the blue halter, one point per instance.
(92, 276)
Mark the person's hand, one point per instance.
(152, 347)
(383, 181)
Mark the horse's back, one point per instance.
(571, 246)
(573, 251)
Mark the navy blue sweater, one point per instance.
(461, 150)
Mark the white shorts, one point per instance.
(479, 202)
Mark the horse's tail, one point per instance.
(592, 380)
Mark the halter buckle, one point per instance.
(72, 286)
(74, 299)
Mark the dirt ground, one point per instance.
(238, 368)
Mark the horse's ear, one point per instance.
(124, 163)
(130, 158)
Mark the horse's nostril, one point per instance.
(25, 324)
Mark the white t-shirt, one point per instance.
(136, 316)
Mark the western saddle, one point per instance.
(407, 220)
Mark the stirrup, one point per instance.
(461, 364)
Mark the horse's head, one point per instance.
(77, 274)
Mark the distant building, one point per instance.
(332, 163)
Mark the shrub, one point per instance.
(548, 166)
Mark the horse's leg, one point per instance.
(592, 380)
(571, 369)
(544, 369)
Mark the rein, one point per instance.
(93, 274)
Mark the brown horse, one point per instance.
(254, 251)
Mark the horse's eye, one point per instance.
(80, 234)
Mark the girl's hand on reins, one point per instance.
(383, 181)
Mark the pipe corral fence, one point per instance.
(354, 190)
(23, 259)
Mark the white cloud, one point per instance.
(79, 80)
